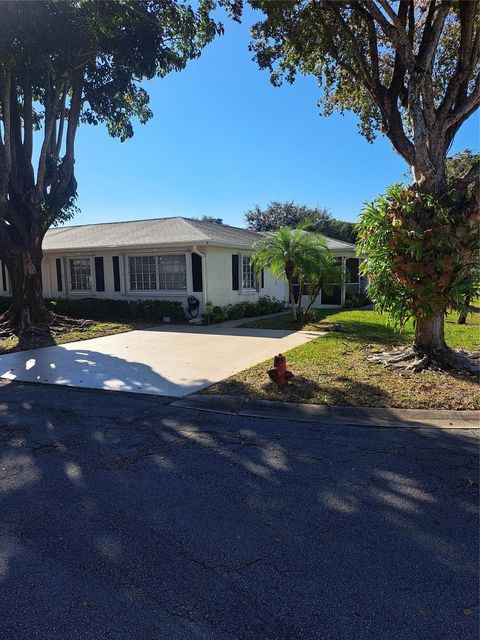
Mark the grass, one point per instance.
(333, 369)
(96, 330)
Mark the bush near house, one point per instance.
(264, 306)
(356, 300)
(113, 310)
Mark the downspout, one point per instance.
(204, 273)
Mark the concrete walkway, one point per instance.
(171, 361)
(359, 416)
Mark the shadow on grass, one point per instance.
(302, 389)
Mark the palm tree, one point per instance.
(322, 276)
(289, 253)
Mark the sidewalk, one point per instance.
(360, 416)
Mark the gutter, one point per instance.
(156, 245)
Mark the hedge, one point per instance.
(113, 310)
(264, 306)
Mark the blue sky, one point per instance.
(223, 139)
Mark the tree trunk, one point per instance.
(292, 298)
(27, 310)
(462, 317)
(430, 335)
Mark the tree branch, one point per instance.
(359, 56)
(466, 107)
(50, 114)
(61, 124)
(6, 156)
(27, 123)
(431, 33)
(397, 36)
(372, 39)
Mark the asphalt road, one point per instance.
(125, 518)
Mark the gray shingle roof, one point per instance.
(154, 232)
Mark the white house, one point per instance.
(165, 258)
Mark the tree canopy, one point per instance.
(289, 214)
(65, 64)
(407, 68)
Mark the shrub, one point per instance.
(264, 306)
(356, 300)
(213, 313)
(114, 310)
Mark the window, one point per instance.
(143, 273)
(80, 274)
(352, 265)
(172, 272)
(149, 273)
(249, 281)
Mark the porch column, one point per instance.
(343, 284)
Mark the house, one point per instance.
(166, 258)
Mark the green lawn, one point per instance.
(95, 330)
(333, 368)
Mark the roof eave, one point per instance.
(180, 243)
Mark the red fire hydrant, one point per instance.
(279, 372)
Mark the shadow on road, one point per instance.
(125, 518)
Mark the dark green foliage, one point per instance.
(206, 218)
(356, 300)
(340, 230)
(288, 214)
(460, 163)
(113, 310)
(417, 269)
(64, 64)
(264, 306)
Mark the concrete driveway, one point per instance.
(124, 518)
(172, 361)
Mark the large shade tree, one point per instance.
(408, 68)
(62, 64)
(279, 214)
(457, 166)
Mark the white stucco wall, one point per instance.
(219, 279)
(50, 287)
(217, 282)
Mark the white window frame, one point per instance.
(70, 289)
(129, 281)
(169, 255)
(249, 289)
(157, 290)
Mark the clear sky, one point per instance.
(223, 139)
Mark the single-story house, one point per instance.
(169, 259)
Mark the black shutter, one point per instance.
(4, 277)
(116, 273)
(58, 263)
(197, 277)
(235, 272)
(262, 279)
(99, 274)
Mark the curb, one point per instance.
(354, 416)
